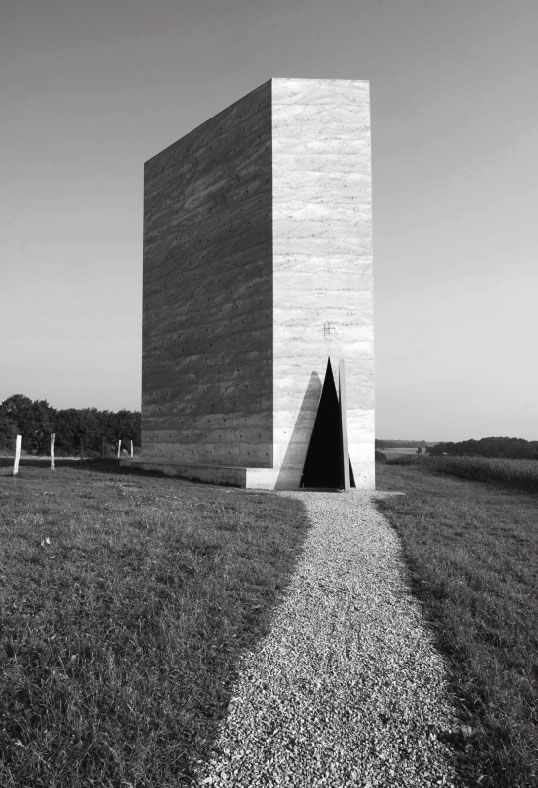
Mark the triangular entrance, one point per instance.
(324, 466)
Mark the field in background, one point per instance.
(398, 452)
(472, 556)
(127, 601)
(517, 474)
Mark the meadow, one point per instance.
(128, 599)
(126, 603)
(516, 474)
(471, 551)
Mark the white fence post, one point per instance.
(119, 448)
(131, 448)
(17, 455)
(52, 438)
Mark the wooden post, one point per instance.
(52, 438)
(343, 420)
(17, 455)
(119, 448)
(131, 448)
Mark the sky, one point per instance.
(89, 91)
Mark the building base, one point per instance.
(235, 477)
(247, 478)
(251, 478)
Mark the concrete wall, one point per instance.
(257, 267)
(207, 327)
(322, 267)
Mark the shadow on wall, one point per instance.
(291, 469)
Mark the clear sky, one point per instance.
(90, 90)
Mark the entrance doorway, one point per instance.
(324, 464)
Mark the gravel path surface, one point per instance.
(346, 690)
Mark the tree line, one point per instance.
(511, 448)
(396, 444)
(79, 431)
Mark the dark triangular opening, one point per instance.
(324, 459)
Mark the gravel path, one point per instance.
(346, 690)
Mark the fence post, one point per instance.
(119, 448)
(131, 448)
(52, 437)
(17, 455)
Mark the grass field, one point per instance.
(126, 603)
(472, 553)
(127, 600)
(393, 453)
(518, 474)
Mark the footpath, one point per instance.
(347, 690)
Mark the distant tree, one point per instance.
(74, 427)
(8, 430)
(33, 420)
(514, 448)
(128, 426)
(398, 444)
(79, 429)
(15, 409)
(125, 425)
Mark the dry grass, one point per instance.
(472, 554)
(517, 474)
(126, 603)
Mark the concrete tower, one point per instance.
(257, 267)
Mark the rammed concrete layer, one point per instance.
(207, 327)
(214, 474)
(257, 267)
(322, 266)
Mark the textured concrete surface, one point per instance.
(215, 474)
(257, 267)
(207, 348)
(322, 264)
